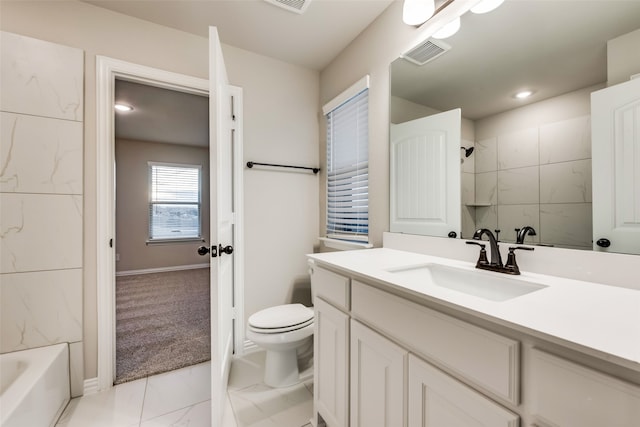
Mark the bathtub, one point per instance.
(34, 386)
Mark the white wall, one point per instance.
(281, 206)
(280, 119)
(620, 65)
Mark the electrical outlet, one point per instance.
(117, 257)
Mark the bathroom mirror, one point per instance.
(531, 158)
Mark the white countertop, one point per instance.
(596, 319)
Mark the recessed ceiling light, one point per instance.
(523, 94)
(123, 107)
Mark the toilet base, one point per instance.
(281, 368)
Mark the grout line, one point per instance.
(144, 399)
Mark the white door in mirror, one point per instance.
(425, 175)
(615, 127)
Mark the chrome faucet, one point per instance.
(511, 267)
(521, 233)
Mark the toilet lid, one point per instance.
(281, 316)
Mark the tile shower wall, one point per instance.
(540, 176)
(468, 191)
(41, 197)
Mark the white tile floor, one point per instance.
(182, 398)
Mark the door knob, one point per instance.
(225, 249)
(203, 250)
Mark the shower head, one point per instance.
(467, 151)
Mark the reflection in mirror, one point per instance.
(531, 164)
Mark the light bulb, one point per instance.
(123, 107)
(486, 6)
(448, 30)
(524, 94)
(416, 12)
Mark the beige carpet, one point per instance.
(162, 322)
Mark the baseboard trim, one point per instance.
(161, 269)
(90, 386)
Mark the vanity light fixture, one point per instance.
(123, 107)
(523, 94)
(486, 6)
(448, 30)
(416, 12)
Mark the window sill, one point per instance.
(172, 241)
(344, 245)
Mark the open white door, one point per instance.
(615, 141)
(425, 175)
(221, 134)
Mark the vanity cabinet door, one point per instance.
(331, 354)
(435, 400)
(564, 393)
(377, 379)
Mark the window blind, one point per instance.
(348, 169)
(174, 201)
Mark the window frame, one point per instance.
(151, 202)
(340, 240)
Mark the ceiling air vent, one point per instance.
(426, 51)
(297, 6)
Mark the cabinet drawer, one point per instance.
(330, 286)
(567, 394)
(483, 358)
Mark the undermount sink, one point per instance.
(483, 284)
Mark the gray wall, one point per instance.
(132, 205)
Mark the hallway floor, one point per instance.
(183, 398)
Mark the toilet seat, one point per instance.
(281, 318)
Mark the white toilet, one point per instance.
(281, 330)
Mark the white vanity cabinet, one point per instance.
(377, 379)
(331, 347)
(387, 358)
(438, 400)
(564, 393)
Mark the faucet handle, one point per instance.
(511, 263)
(482, 259)
(523, 248)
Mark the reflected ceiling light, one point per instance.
(448, 30)
(416, 12)
(523, 94)
(123, 107)
(486, 6)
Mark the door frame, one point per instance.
(107, 70)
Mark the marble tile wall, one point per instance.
(540, 177)
(41, 197)
(468, 190)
